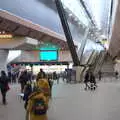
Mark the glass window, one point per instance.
(76, 8)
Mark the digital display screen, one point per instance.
(48, 55)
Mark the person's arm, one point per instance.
(29, 105)
(38, 76)
(28, 109)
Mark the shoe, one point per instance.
(4, 103)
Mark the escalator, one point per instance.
(89, 62)
(98, 61)
(97, 65)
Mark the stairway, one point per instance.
(103, 63)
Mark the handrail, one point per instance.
(110, 18)
(100, 62)
(87, 64)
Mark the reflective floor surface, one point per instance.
(71, 102)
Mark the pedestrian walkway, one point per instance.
(71, 102)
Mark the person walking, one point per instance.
(40, 75)
(116, 74)
(4, 86)
(23, 80)
(93, 84)
(100, 75)
(87, 79)
(37, 105)
(55, 77)
(27, 92)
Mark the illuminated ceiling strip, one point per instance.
(5, 36)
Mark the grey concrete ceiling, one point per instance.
(37, 11)
(20, 27)
(41, 12)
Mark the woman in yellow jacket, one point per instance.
(43, 85)
(42, 91)
(30, 112)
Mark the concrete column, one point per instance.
(78, 70)
(67, 32)
(3, 59)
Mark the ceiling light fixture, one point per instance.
(4, 36)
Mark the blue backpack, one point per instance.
(39, 106)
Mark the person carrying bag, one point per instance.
(37, 106)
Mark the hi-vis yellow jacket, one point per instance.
(44, 86)
(44, 93)
(32, 116)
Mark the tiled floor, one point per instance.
(71, 102)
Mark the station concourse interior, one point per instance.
(67, 38)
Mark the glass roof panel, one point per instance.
(76, 8)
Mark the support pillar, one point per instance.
(67, 32)
(65, 25)
(3, 60)
(78, 70)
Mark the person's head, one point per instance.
(41, 70)
(25, 72)
(90, 72)
(3, 73)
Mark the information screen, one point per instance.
(48, 55)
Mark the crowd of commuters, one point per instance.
(37, 96)
(37, 93)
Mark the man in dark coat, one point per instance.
(3, 86)
(40, 75)
(87, 79)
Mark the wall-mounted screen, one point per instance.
(48, 55)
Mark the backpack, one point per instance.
(39, 106)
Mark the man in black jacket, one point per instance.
(87, 79)
(40, 75)
(3, 86)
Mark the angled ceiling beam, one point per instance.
(86, 10)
